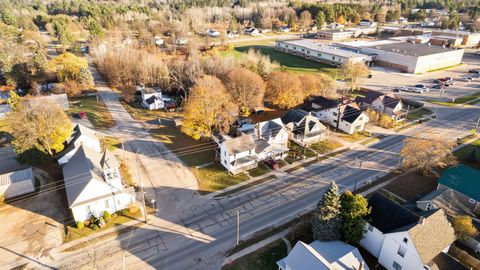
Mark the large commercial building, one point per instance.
(327, 54)
(413, 57)
(335, 34)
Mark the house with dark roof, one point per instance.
(238, 154)
(81, 135)
(384, 103)
(151, 98)
(93, 184)
(303, 127)
(271, 138)
(464, 181)
(402, 239)
(329, 255)
(344, 116)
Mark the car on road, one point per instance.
(476, 71)
(422, 87)
(413, 90)
(466, 79)
(437, 86)
(475, 76)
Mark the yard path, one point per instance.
(159, 169)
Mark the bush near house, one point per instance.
(80, 225)
(107, 216)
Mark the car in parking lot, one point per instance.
(422, 87)
(437, 86)
(412, 89)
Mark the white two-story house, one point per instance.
(93, 184)
(383, 103)
(81, 135)
(303, 127)
(238, 154)
(271, 138)
(345, 117)
(402, 239)
(151, 98)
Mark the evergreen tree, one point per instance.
(262, 69)
(354, 210)
(327, 220)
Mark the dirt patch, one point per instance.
(412, 186)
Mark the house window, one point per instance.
(401, 251)
(370, 227)
(471, 200)
(333, 57)
(396, 266)
(405, 240)
(107, 204)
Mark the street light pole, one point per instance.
(356, 179)
(141, 190)
(238, 227)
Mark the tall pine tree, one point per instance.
(327, 220)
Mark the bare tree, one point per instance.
(353, 73)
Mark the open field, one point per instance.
(286, 61)
(97, 112)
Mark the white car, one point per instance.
(413, 90)
(465, 79)
(423, 87)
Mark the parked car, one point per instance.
(422, 86)
(475, 76)
(272, 164)
(413, 90)
(476, 71)
(437, 86)
(465, 79)
(399, 89)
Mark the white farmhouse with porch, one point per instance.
(238, 154)
(271, 139)
(93, 184)
(81, 135)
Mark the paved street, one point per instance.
(201, 233)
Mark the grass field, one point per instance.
(260, 170)
(214, 177)
(286, 61)
(412, 116)
(97, 112)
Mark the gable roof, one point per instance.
(86, 166)
(270, 128)
(387, 100)
(239, 144)
(78, 131)
(60, 99)
(151, 100)
(390, 217)
(463, 179)
(319, 103)
(294, 116)
(323, 255)
(448, 200)
(351, 114)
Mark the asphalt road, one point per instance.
(200, 235)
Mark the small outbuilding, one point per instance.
(17, 183)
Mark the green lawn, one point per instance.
(286, 61)
(215, 177)
(325, 146)
(97, 112)
(412, 116)
(260, 170)
(463, 152)
(111, 143)
(262, 259)
(190, 151)
(297, 152)
(460, 100)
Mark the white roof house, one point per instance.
(93, 184)
(81, 135)
(331, 255)
(17, 183)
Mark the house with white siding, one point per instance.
(304, 128)
(387, 104)
(94, 185)
(151, 98)
(348, 117)
(402, 239)
(271, 138)
(238, 154)
(81, 135)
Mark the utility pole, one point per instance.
(356, 179)
(141, 190)
(238, 227)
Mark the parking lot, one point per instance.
(387, 80)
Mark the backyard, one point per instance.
(286, 61)
(97, 112)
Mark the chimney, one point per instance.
(421, 221)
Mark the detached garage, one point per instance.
(17, 183)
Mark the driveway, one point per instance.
(157, 168)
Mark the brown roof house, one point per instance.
(402, 239)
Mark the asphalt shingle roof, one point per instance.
(240, 144)
(463, 179)
(350, 114)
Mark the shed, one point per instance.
(17, 183)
